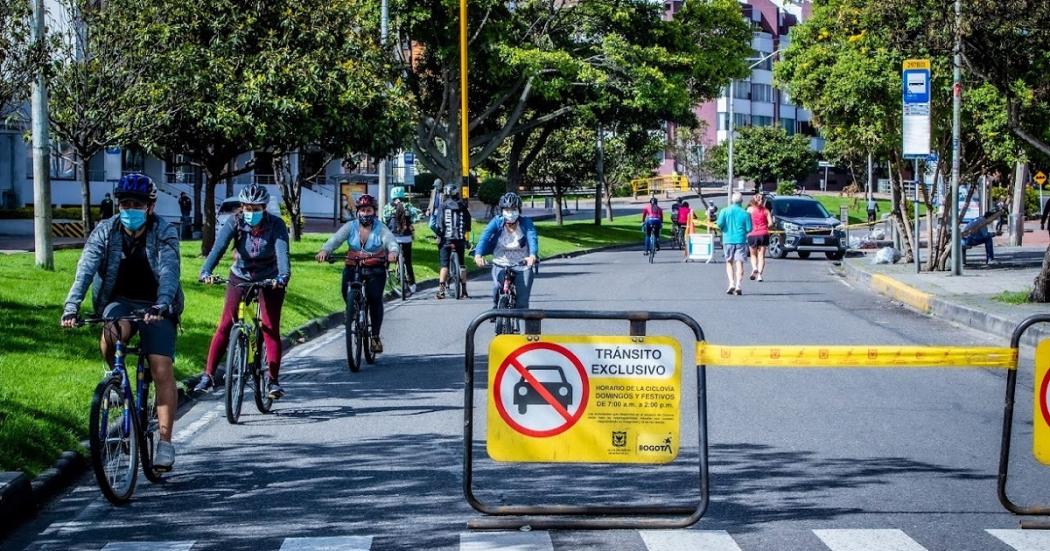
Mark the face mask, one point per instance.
(133, 219)
(511, 216)
(253, 218)
(366, 220)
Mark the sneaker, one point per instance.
(205, 384)
(376, 345)
(737, 292)
(760, 280)
(464, 293)
(754, 274)
(412, 288)
(164, 460)
(274, 390)
(441, 291)
(730, 290)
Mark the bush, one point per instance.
(424, 183)
(491, 189)
(26, 213)
(786, 188)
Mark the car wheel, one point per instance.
(835, 255)
(803, 254)
(776, 247)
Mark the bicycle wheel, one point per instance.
(150, 430)
(263, 402)
(353, 361)
(455, 276)
(652, 248)
(236, 360)
(402, 277)
(503, 325)
(365, 329)
(114, 442)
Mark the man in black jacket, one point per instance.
(186, 207)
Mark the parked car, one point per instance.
(808, 227)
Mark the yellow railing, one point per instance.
(657, 184)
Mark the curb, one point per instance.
(938, 307)
(20, 497)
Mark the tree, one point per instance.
(766, 154)
(490, 191)
(98, 96)
(691, 153)
(567, 162)
(18, 58)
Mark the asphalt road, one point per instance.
(800, 459)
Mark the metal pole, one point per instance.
(956, 122)
(464, 130)
(601, 178)
(918, 241)
(729, 125)
(384, 26)
(42, 241)
(871, 175)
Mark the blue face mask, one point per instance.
(253, 218)
(133, 219)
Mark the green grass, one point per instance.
(48, 374)
(858, 209)
(1013, 297)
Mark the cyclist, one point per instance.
(260, 240)
(675, 207)
(367, 238)
(452, 224)
(133, 260)
(511, 239)
(400, 215)
(652, 220)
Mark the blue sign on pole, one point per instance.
(410, 158)
(915, 95)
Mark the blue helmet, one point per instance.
(136, 186)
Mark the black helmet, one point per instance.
(451, 189)
(653, 201)
(510, 201)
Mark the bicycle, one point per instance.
(507, 300)
(455, 270)
(652, 241)
(245, 355)
(678, 236)
(397, 277)
(124, 429)
(357, 325)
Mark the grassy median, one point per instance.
(47, 374)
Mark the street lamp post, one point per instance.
(730, 125)
(956, 108)
(384, 25)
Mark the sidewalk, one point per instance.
(967, 300)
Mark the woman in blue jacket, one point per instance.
(512, 241)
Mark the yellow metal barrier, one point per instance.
(67, 229)
(855, 356)
(656, 184)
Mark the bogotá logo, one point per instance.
(662, 447)
(619, 439)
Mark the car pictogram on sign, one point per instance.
(557, 385)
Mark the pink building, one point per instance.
(757, 101)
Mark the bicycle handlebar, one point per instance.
(137, 315)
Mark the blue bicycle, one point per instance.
(124, 428)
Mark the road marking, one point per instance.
(337, 543)
(868, 540)
(197, 425)
(1023, 540)
(505, 541)
(149, 546)
(700, 540)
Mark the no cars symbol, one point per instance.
(541, 389)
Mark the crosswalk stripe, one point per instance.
(335, 543)
(867, 540)
(1024, 540)
(505, 541)
(148, 546)
(693, 540)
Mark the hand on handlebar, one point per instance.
(530, 261)
(70, 321)
(210, 280)
(155, 313)
(323, 255)
(391, 258)
(479, 261)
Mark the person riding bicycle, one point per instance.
(511, 239)
(260, 242)
(652, 221)
(675, 207)
(132, 262)
(451, 225)
(399, 215)
(367, 239)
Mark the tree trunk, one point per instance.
(900, 218)
(198, 188)
(517, 147)
(291, 193)
(215, 175)
(1017, 205)
(85, 194)
(607, 191)
(1041, 285)
(558, 197)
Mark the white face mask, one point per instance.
(511, 216)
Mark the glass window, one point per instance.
(765, 64)
(762, 92)
(134, 159)
(742, 89)
(788, 125)
(741, 119)
(760, 120)
(799, 208)
(63, 166)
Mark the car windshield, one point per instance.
(799, 208)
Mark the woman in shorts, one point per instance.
(758, 239)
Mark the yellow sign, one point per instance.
(1041, 410)
(917, 64)
(855, 356)
(584, 399)
(1040, 178)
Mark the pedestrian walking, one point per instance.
(758, 239)
(873, 211)
(106, 207)
(186, 207)
(735, 224)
